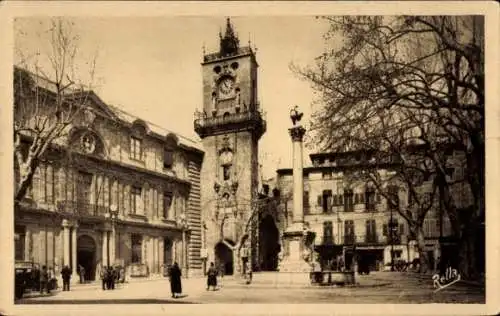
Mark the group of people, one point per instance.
(109, 276)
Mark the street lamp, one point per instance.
(183, 224)
(111, 216)
(391, 236)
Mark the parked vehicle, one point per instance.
(23, 278)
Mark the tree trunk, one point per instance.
(26, 175)
(467, 252)
(422, 254)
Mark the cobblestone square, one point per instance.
(382, 287)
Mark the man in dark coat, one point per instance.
(113, 277)
(212, 277)
(109, 279)
(175, 280)
(66, 276)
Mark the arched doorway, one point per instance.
(86, 256)
(224, 258)
(269, 246)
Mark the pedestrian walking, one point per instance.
(66, 276)
(44, 280)
(175, 280)
(81, 272)
(212, 277)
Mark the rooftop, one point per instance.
(119, 113)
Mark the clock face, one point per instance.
(226, 86)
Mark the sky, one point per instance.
(151, 67)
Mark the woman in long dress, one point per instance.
(212, 277)
(175, 280)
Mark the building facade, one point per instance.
(230, 126)
(352, 220)
(114, 190)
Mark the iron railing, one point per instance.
(231, 118)
(79, 208)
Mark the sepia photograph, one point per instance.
(250, 159)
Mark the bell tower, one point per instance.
(230, 127)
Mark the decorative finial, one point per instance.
(204, 49)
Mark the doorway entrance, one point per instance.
(167, 252)
(224, 258)
(269, 244)
(86, 256)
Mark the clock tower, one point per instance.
(230, 127)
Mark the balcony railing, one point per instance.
(81, 208)
(204, 125)
(373, 239)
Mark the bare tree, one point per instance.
(396, 83)
(48, 98)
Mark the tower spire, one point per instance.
(229, 44)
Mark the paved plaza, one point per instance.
(381, 287)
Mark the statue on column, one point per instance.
(295, 115)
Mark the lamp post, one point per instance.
(391, 236)
(114, 214)
(183, 224)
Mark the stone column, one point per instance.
(66, 241)
(293, 236)
(297, 134)
(73, 255)
(27, 245)
(160, 254)
(105, 261)
(184, 254)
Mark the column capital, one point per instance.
(65, 223)
(297, 133)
